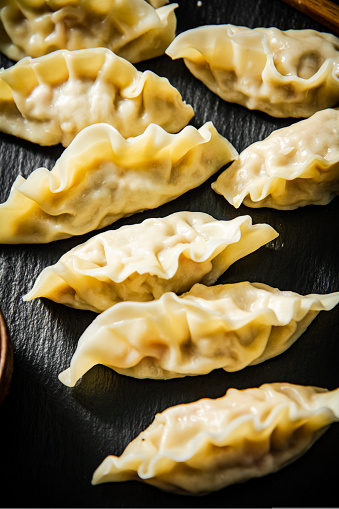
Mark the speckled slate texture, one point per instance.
(51, 437)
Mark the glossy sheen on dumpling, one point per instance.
(285, 74)
(133, 29)
(102, 177)
(142, 261)
(225, 326)
(293, 167)
(203, 446)
(48, 100)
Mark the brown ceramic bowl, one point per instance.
(6, 359)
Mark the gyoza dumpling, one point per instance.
(285, 74)
(142, 261)
(203, 446)
(293, 167)
(48, 100)
(133, 29)
(102, 177)
(226, 326)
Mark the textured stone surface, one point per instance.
(52, 437)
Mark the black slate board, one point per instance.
(52, 438)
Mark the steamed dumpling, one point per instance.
(49, 100)
(142, 261)
(293, 167)
(291, 73)
(133, 29)
(226, 326)
(206, 445)
(102, 177)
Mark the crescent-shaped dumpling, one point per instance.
(133, 29)
(226, 326)
(50, 99)
(203, 446)
(291, 73)
(141, 262)
(295, 166)
(102, 177)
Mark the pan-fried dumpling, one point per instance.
(48, 100)
(102, 177)
(203, 446)
(133, 29)
(293, 167)
(142, 261)
(225, 326)
(285, 74)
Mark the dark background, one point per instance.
(51, 437)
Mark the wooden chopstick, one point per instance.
(323, 11)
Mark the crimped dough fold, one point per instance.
(293, 167)
(133, 29)
(204, 446)
(50, 99)
(225, 326)
(142, 261)
(102, 177)
(285, 74)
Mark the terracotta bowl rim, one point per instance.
(6, 358)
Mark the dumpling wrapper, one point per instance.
(291, 73)
(141, 262)
(206, 445)
(102, 177)
(50, 99)
(225, 326)
(293, 167)
(133, 29)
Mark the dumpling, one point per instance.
(285, 74)
(225, 326)
(133, 29)
(48, 100)
(142, 261)
(203, 446)
(102, 177)
(293, 167)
